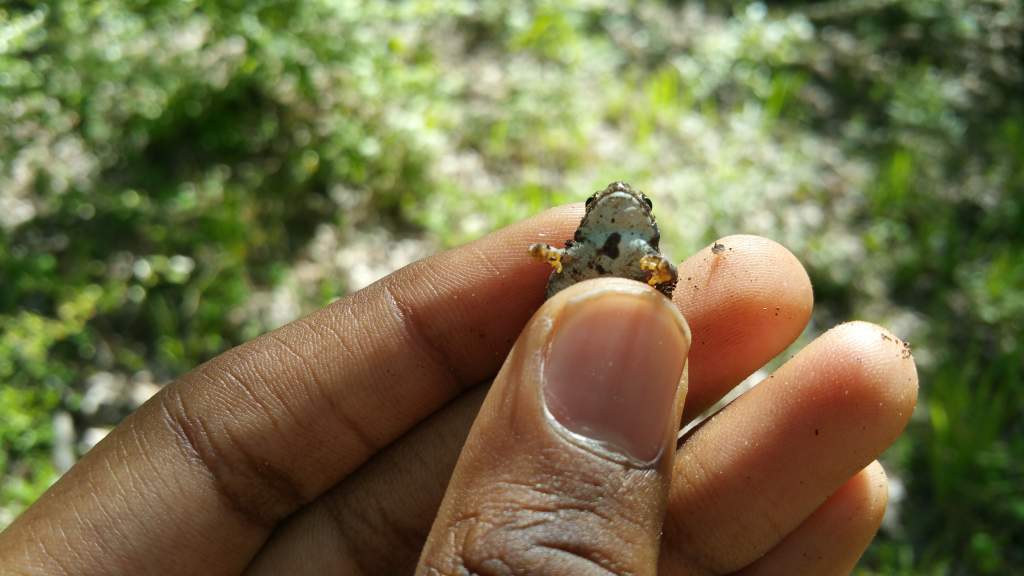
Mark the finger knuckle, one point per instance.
(531, 531)
(247, 483)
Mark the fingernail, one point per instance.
(613, 367)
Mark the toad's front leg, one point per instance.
(550, 254)
(661, 269)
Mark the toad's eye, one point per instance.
(590, 202)
(650, 205)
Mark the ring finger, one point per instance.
(759, 468)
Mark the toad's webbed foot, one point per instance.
(661, 269)
(549, 254)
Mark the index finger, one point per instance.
(195, 480)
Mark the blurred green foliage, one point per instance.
(176, 177)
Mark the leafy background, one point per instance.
(178, 177)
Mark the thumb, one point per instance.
(567, 467)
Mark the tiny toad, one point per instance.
(617, 237)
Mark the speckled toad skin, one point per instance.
(617, 237)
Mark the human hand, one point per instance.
(327, 446)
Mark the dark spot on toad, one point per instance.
(578, 236)
(815, 431)
(611, 245)
(655, 240)
(569, 243)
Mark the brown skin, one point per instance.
(839, 395)
(327, 445)
(524, 499)
(821, 544)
